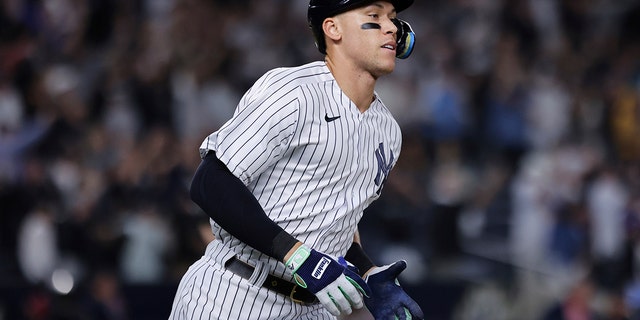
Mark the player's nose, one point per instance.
(389, 27)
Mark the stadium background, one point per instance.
(517, 192)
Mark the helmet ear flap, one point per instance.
(405, 40)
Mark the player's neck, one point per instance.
(356, 84)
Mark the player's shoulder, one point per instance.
(312, 72)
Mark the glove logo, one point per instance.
(318, 271)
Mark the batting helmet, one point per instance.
(322, 9)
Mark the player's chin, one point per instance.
(388, 61)
(386, 67)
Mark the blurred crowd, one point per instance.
(519, 175)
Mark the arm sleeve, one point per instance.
(224, 198)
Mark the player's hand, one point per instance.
(339, 289)
(388, 300)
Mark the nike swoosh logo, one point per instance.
(329, 119)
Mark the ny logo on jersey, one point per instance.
(384, 167)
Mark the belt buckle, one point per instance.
(293, 292)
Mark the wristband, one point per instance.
(281, 244)
(359, 258)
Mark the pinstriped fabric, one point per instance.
(206, 292)
(313, 161)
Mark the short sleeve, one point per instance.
(259, 132)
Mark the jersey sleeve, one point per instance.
(260, 130)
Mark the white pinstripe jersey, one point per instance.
(312, 172)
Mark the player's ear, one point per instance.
(331, 28)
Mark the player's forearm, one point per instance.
(224, 198)
(356, 237)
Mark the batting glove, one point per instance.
(388, 300)
(337, 288)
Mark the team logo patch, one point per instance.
(384, 166)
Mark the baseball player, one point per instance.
(286, 180)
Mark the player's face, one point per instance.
(369, 37)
